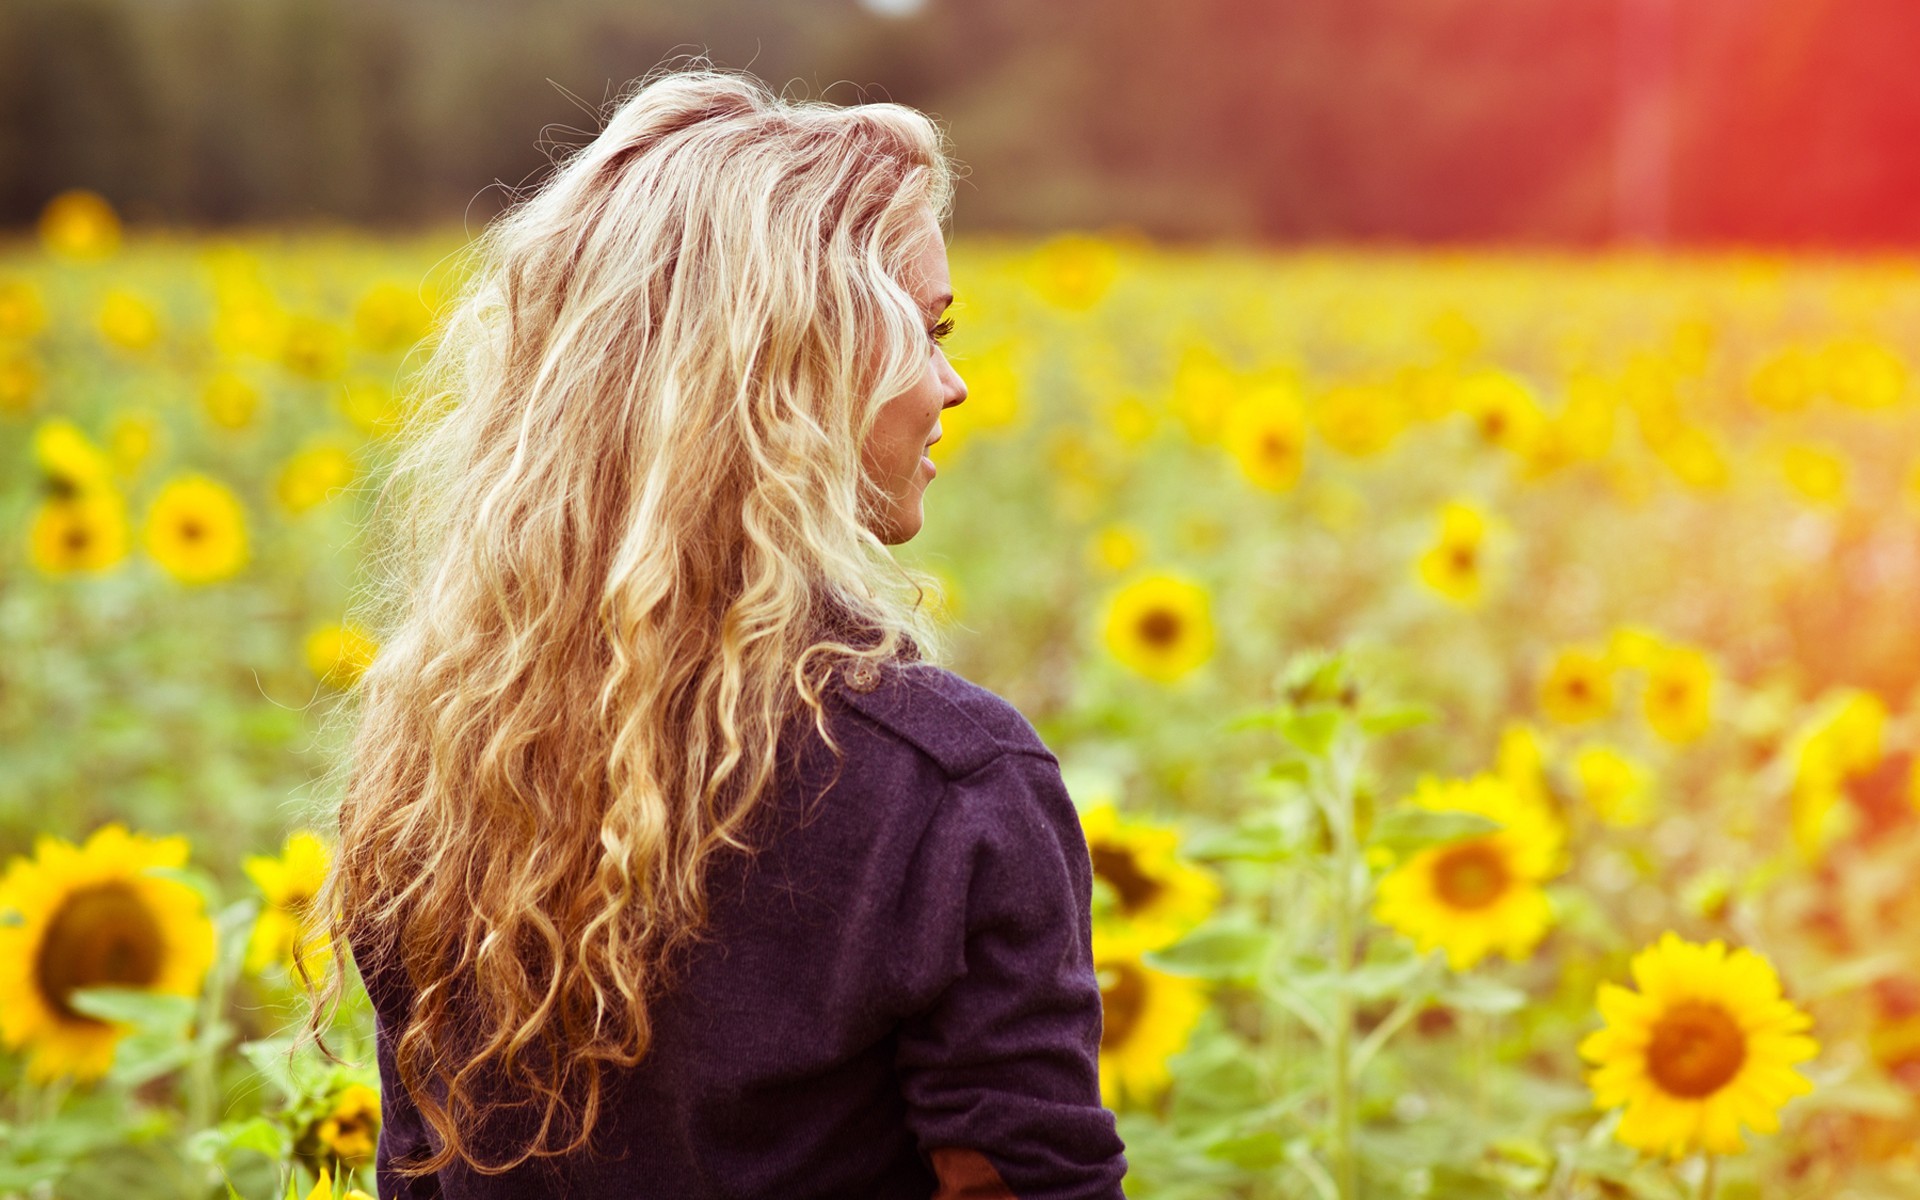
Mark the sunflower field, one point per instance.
(1487, 681)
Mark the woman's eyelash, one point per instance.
(941, 330)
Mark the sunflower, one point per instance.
(1266, 433)
(289, 884)
(1503, 410)
(313, 476)
(1678, 701)
(22, 313)
(197, 530)
(127, 321)
(1360, 420)
(230, 401)
(1578, 687)
(1614, 786)
(1862, 373)
(349, 1132)
(79, 224)
(390, 318)
(92, 916)
(1146, 1017)
(374, 409)
(1156, 897)
(312, 347)
(340, 654)
(1454, 565)
(1707, 1044)
(20, 378)
(1115, 548)
(1816, 474)
(1472, 896)
(71, 466)
(1160, 626)
(1073, 271)
(87, 534)
(1842, 742)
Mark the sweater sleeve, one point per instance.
(1001, 1072)
(402, 1130)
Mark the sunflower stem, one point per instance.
(1709, 1179)
(1346, 861)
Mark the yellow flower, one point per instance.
(1073, 271)
(1502, 409)
(1707, 1044)
(1205, 389)
(128, 321)
(1786, 381)
(312, 347)
(1161, 626)
(1266, 433)
(1116, 548)
(1613, 785)
(196, 530)
(71, 466)
(1473, 896)
(1147, 1016)
(92, 915)
(19, 379)
(389, 318)
(289, 884)
(1585, 420)
(131, 439)
(1842, 741)
(85, 534)
(1454, 565)
(1678, 700)
(351, 1130)
(1578, 687)
(230, 401)
(22, 314)
(79, 224)
(1816, 474)
(1862, 373)
(1632, 647)
(1156, 897)
(339, 654)
(1693, 454)
(313, 476)
(1359, 420)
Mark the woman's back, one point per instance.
(896, 997)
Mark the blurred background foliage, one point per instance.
(1578, 121)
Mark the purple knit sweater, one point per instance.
(896, 1000)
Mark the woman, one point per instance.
(672, 864)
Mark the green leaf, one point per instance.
(1407, 829)
(1230, 948)
(1267, 837)
(1471, 993)
(1261, 1150)
(1392, 720)
(1312, 729)
(135, 1006)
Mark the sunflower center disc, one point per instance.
(103, 936)
(1121, 1003)
(1471, 876)
(1159, 628)
(1135, 887)
(1696, 1049)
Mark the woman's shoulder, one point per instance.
(957, 723)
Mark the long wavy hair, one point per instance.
(625, 537)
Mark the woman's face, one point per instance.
(894, 456)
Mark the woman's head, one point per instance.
(640, 508)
